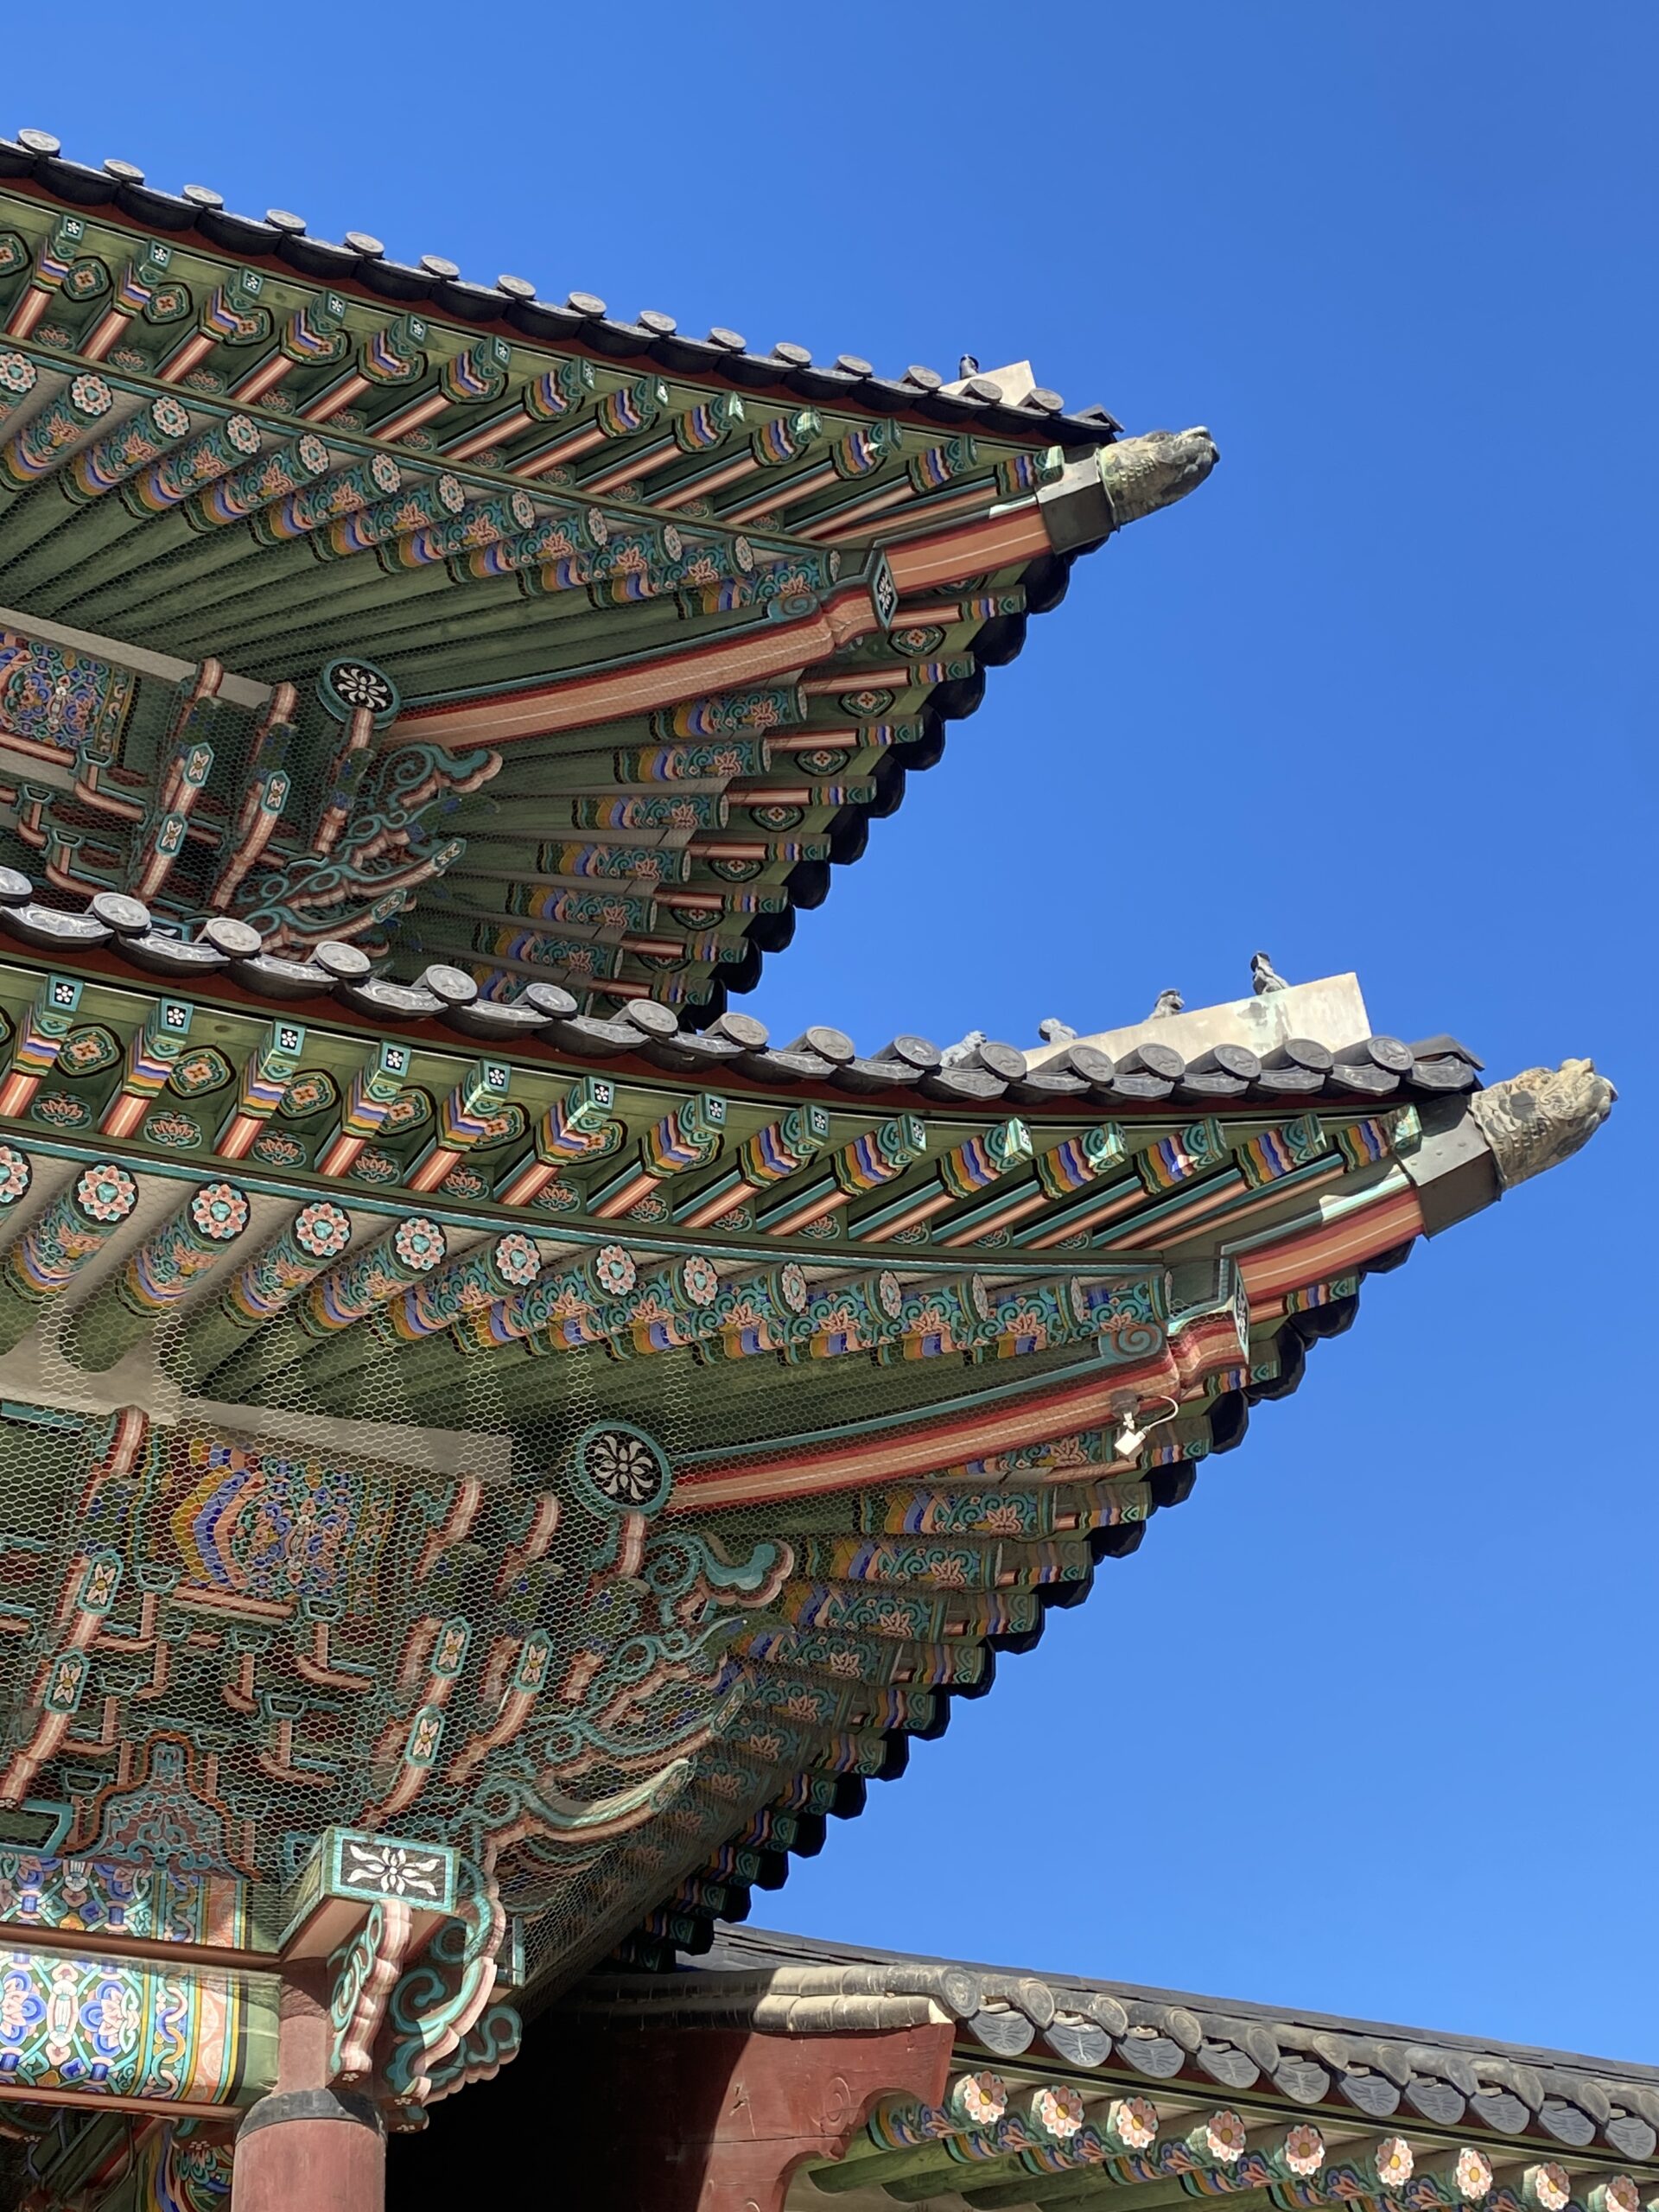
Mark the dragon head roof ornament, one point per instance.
(1143, 474)
(1543, 1115)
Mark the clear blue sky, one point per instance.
(1368, 1725)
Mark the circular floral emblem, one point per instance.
(1394, 2162)
(598, 527)
(1551, 2187)
(978, 1298)
(983, 2098)
(169, 417)
(419, 1243)
(1058, 2111)
(219, 1211)
(1304, 2150)
(614, 1271)
(1133, 2121)
(312, 453)
(743, 554)
(354, 683)
(1473, 2177)
(1224, 2136)
(244, 434)
(791, 1290)
(17, 373)
(673, 543)
(106, 1193)
(698, 1279)
(622, 1468)
(889, 1293)
(385, 473)
(322, 1229)
(451, 497)
(15, 1174)
(516, 1259)
(1618, 2195)
(522, 508)
(92, 396)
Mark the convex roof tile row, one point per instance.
(1371, 1067)
(583, 317)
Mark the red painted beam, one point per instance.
(661, 680)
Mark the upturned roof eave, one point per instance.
(580, 323)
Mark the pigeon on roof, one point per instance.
(1264, 975)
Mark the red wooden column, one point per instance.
(309, 2145)
(365, 1913)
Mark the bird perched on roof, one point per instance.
(1055, 1031)
(1168, 1003)
(967, 366)
(1264, 975)
(965, 1052)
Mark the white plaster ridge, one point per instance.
(1330, 1012)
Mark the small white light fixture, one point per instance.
(1133, 1429)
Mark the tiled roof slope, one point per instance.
(475, 629)
(1342, 1068)
(651, 337)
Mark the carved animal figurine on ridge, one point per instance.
(1141, 474)
(964, 1052)
(1543, 1115)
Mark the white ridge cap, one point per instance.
(1330, 1012)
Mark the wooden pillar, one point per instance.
(307, 2145)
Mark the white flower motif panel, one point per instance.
(396, 1870)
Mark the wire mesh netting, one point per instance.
(262, 1576)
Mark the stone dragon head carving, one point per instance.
(1541, 1116)
(1143, 474)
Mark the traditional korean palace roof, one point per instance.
(496, 1451)
(1070, 2091)
(364, 603)
(644, 1432)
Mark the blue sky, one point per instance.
(1368, 1725)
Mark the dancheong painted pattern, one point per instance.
(494, 1449)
